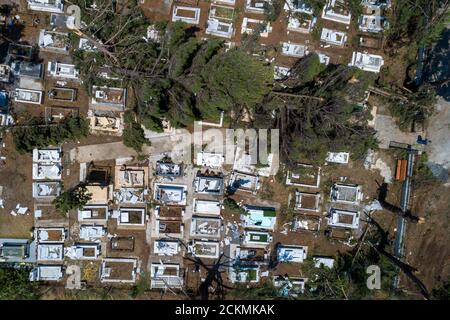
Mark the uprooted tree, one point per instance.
(317, 110)
(347, 279)
(36, 133)
(411, 108)
(174, 76)
(420, 22)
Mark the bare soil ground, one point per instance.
(354, 173)
(16, 180)
(141, 248)
(121, 270)
(56, 292)
(396, 66)
(49, 213)
(192, 276)
(426, 246)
